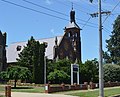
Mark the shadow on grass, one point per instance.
(22, 87)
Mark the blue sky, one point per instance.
(21, 23)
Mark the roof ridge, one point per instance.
(35, 39)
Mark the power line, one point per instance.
(40, 12)
(45, 8)
(111, 11)
(86, 23)
(106, 30)
(34, 10)
(69, 6)
(53, 10)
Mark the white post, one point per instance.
(71, 74)
(78, 76)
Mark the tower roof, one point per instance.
(72, 23)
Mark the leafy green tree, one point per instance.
(111, 72)
(89, 71)
(16, 73)
(58, 76)
(62, 66)
(106, 57)
(113, 44)
(32, 57)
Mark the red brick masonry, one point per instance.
(63, 87)
(107, 84)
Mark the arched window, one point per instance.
(76, 34)
(69, 34)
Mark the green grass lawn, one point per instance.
(23, 89)
(29, 89)
(81, 93)
(95, 93)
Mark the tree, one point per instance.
(61, 67)
(113, 44)
(89, 71)
(32, 57)
(16, 73)
(106, 57)
(111, 72)
(58, 76)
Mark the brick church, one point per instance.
(70, 44)
(59, 47)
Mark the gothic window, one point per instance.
(70, 34)
(1, 49)
(76, 34)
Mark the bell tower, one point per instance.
(72, 30)
(69, 46)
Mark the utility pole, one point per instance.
(101, 86)
(99, 15)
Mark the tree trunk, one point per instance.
(15, 83)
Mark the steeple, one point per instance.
(72, 15)
(72, 23)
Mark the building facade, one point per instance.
(70, 44)
(60, 47)
(2, 51)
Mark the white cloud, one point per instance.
(52, 31)
(49, 2)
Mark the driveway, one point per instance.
(19, 94)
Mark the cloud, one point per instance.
(49, 2)
(52, 31)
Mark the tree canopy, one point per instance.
(59, 71)
(32, 57)
(89, 71)
(113, 44)
(111, 72)
(16, 73)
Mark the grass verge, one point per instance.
(23, 89)
(29, 89)
(95, 93)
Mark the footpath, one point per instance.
(21, 94)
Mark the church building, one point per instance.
(70, 44)
(2, 51)
(59, 47)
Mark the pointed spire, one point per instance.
(56, 40)
(72, 15)
(72, 5)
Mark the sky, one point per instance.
(21, 19)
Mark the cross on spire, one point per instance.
(72, 5)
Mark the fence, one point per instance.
(50, 89)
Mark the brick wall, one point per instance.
(63, 87)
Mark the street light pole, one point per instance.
(101, 86)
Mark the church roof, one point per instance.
(12, 52)
(72, 25)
